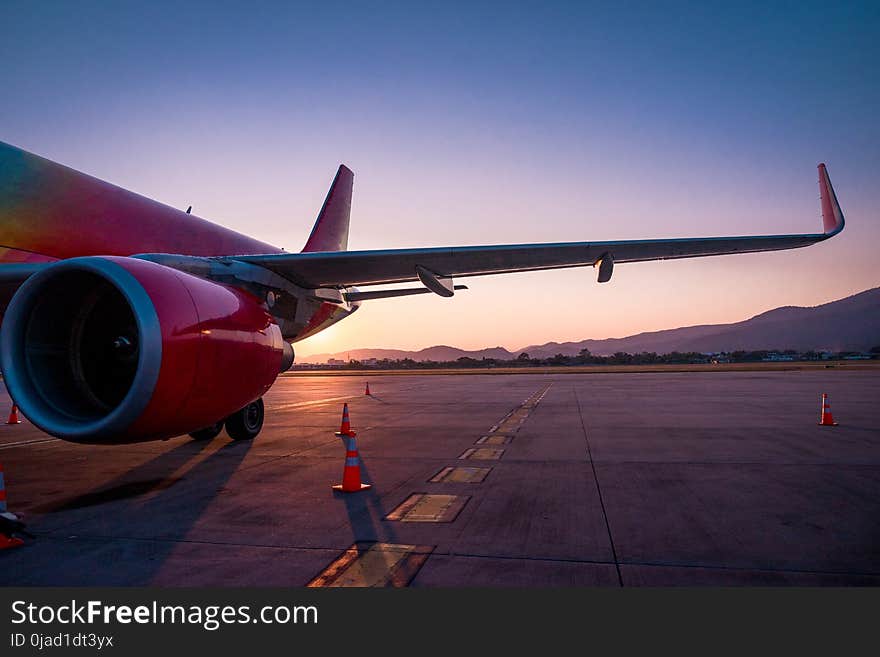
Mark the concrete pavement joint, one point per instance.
(598, 488)
(53, 535)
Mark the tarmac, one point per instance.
(522, 480)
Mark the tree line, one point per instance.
(584, 357)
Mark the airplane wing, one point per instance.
(436, 266)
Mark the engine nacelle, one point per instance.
(115, 350)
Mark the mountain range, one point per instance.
(849, 324)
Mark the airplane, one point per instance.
(126, 320)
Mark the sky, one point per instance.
(482, 123)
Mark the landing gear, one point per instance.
(241, 425)
(208, 433)
(246, 423)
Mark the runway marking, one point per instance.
(460, 475)
(424, 507)
(305, 404)
(482, 453)
(495, 439)
(315, 402)
(374, 565)
(513, 421)
(22, 443)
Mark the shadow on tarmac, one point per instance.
(156, 503)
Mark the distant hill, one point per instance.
(438, 353)
(850, 324)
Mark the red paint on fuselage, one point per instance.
(16, 256)
(55, 211)
(49, 211)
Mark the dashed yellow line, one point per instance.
(389, 564)
(374, 565)
(426, 507)
(511, 423)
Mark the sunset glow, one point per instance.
(567, 122)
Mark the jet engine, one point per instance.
(117, 350)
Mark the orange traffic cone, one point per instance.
(6, 541)
(826, 419)
(367, 391)
(13, 416)
(351, 473)
(3, 509)
(345, 427)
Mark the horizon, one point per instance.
(523, 348)
(466, 125)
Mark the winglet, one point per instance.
(832, 215)
(330, 232)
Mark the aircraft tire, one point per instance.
(246, 423)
